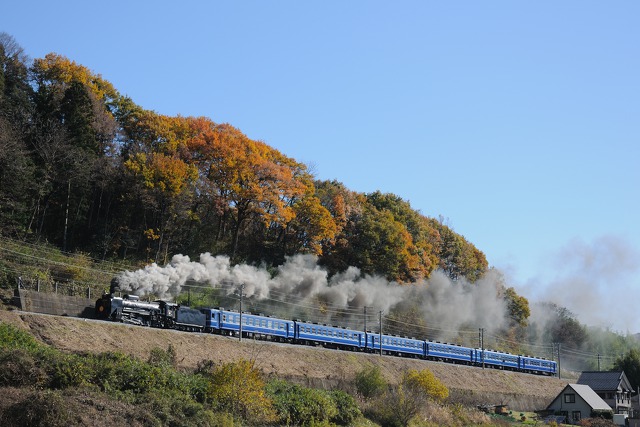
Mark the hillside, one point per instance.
(308, 365)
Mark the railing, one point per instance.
(68, 288)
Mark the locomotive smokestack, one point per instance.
(115, 286)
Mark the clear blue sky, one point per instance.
(517, 121)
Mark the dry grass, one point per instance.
(311, 366)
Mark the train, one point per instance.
(162, 314)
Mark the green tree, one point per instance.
(72, 132)
(458, 257)
(382, 245)
(370, 382)
(564, 328)
(16, 113)
(630, 364)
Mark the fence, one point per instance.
(62, 299)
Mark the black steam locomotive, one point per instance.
(157, 314)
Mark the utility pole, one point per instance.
(481, 342)
(241, 296)
(66, 217)
(380, 319)
(598, 361)
(559, 375)
(365, 318)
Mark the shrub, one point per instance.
(297, 405)
(369, 382)
(596, 422)
(426, 383)
(117, 372)
(41, 408)
(238, 388)
(12, 337)
(66, 370)
(400, 405)
(348, 411)
(19, 368)
(162, 358)
(396, 408)
(172, 408)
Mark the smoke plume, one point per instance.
(300, 288)
(597, 281)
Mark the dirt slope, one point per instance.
(308, 365)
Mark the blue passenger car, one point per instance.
(395, 345)
(254, 324)
(538, 366)
(330, 336)
(450, 352)
(212, 320)
(501, 360)
(228, 322)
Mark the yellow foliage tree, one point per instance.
(238, 389)
(426, 383)
(57, 68)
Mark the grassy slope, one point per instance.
(308, 365)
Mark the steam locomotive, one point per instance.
(162, 314)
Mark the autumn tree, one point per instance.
(517, 306)
(252, 186)
(423, 237)
(239, 389)
(311, 227)
(158, 163)
(426, 384)
(87, 168)
(345, 208)
(404, 402)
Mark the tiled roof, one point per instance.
(602, 380)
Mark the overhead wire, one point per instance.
(280, 297)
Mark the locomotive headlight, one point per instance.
(101, 308)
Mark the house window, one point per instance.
(576, 415)
(569, 398)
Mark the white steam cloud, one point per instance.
(302, 288)
(597, 281)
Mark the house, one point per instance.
(578, 401)
(612, 386)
